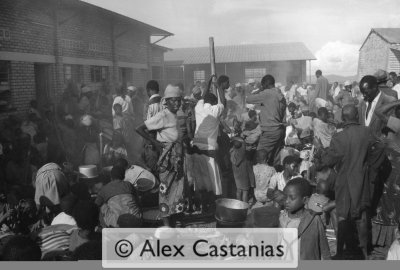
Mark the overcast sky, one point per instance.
(332, 29)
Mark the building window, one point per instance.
(254, 73)
(98, 74)
(5, 94)
(199, 75)
(72, 73)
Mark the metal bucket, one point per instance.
(230, 210)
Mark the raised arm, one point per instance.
(210, 82)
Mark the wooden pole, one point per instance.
(212, 61)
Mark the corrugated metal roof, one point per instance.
(391, 35)
(242, 53)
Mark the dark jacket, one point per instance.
(352, 152)
(313, 241)
(388, 91)
(376, 125)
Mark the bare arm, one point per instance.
(144, 132)
(210, 82)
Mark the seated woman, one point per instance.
(116, 198)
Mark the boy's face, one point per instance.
(292, 169)
(294, 201)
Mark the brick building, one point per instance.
(285, 61)
(380, 50)
(44, 44)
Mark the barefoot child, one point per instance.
(311, 231)
(241, 169)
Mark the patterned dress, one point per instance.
(170, 164)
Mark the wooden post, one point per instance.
(212, 61)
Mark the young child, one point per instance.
(118, 117)
(262, 174)
(322, 129)
(311, 231)
(115, 150)
(251, 135)
(116, 198)
(241, 169)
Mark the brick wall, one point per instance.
(30, 25)
(22, 85)
(83, 32)
(373, 55)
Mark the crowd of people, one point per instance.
(320, 158)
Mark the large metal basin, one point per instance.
(230, 210)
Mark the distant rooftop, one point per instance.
(391, 35)
(241, 53)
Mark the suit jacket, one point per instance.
(388, 91)
(376, 124)
(352, 151)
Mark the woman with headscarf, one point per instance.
(171, 161)
(51, 183)
(387, 218)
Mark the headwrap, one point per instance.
(172, 92)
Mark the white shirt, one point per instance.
(371, 111)
(278, 181)
(153, 108)
(397, 89)
(394, 251)
(336, 91)
(126, 104)
(207, 125)
(302, 91)
(63, 218)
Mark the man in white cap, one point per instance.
(344, 97)
(383, 78)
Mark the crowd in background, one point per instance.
(321, 158)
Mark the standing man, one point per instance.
(272, 116)
(373, 98)
(382, 78)
(205, 169)
(154, 105)
(321, 87)
(351, 152)
(150, 154)
(344, 97)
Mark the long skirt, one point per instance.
(172, 188)
(205, 173)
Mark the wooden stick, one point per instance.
(212, 61)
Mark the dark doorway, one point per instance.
(125, 76)
(43, 84)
